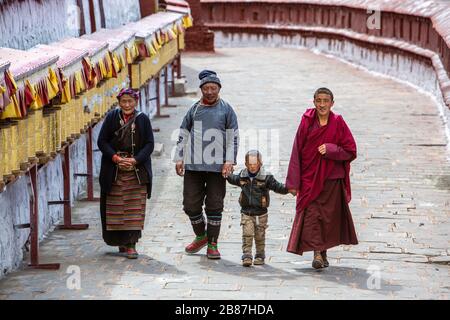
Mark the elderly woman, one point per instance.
(126, 142)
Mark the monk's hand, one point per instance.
(179, 168)
(293, 192)
(227, 169)
(323, 149)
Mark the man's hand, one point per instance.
(323, 149)
(179, 168)
(227, 169)
(293, 192)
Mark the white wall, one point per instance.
(403, 68)
(120, 12)
(15, 208)
(24, 24)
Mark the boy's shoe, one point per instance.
(196, 245)
(212, 252)
(247, 262)
(318, 260)
(325, 260)
(258, 261)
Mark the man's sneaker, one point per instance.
(247, 262)
(196, 245)
(122, 249)
(258, 261)
(131, 252)
(212, 252)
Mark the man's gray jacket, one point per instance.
(209, 137)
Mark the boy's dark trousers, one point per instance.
(201, 187)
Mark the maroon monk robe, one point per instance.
(309, 170)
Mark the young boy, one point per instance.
(254, 200)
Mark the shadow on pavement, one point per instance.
(353, 277)
(263, 273)
(144, 264)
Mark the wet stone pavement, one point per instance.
(400, 206)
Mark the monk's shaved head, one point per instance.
(324, 91)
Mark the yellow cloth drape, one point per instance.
(101, 64)
(129, 59)
(116, 62)
(79, 83)
(187, 22)
(175, 29)
(12, 110)
(52, 84)
(159, 39)
(152, 50)
(172, 34)
(66, 95)
(35, 103)
(156, 45)
(12, 80)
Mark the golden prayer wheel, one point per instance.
(76, 116)
(62, 122)
(136, 75)
(46, 133)
(15, 162)
(181, 41)
(38, 132)
(24, 136)
(76, 121)
(58, 127)
(53, 141)
(5, 129)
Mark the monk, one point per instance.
(319, 173)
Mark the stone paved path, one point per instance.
(401, 195)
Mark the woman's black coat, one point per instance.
(143, 151)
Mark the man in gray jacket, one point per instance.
(206, 153)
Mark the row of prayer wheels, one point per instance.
(57, 91)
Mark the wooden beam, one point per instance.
(102, 13)
(92, 16)
(148, 7)
(82, 20)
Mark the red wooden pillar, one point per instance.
(34, 224)
(158, 99)
(66, 202)
(92, 16)
(166, 89)
(82, 18)
(148, 7)
(89, 167)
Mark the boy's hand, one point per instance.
(179, 168)
(293, 192)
